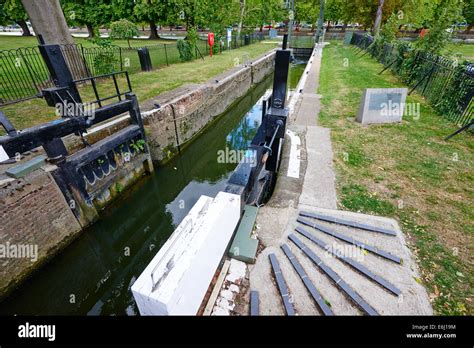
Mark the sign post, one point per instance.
(210, 41)
(229, 37)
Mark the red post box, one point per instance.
(210, 41)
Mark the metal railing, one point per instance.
(446, 84)
(118, 91)
(23, 74)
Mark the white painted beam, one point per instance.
(295, 155)
(176, 280)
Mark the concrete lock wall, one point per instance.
(35, 212)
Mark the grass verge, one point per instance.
(461, 50)
(406, 171)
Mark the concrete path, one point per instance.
(315, 191)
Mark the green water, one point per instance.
(296, 70)
(94, 274)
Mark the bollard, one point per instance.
(145, 61)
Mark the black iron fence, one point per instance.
(23, 73)
(446, 84)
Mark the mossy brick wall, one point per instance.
(262, 67)
(34, 213)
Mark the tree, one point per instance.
(243, 5)
(123, 30)
(13, 11)
(445, 15)
(253, 13)
(468, 14)
(378, 18)
(307, 11)
(220, 14)
(153, 12)
(417, 13)
(191, 12)
(89, 13)
(48, 20)
(334, 12)
(123, 9)
(270, 11)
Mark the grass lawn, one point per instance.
(146, 85)
(406, 171)
(463, 51)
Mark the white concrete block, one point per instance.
(382, 105)
(220, 311)
(234, 288)
(176, 280)
(237, 271)
(228, 295)
(3, 154)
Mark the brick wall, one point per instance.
(35, 213)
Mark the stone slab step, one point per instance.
(25, 168)
(244, 247)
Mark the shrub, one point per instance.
(123, 30)
(105, 59)
(105, 62)
(185, 51)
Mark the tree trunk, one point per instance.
(153, 32)
(242, 12)
(468, 29)
(378, 19)
(90, 30)
(50, 26)
(344, 27)
(48, 20)
(24, 28)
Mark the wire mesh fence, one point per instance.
(446, 84)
